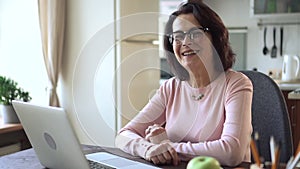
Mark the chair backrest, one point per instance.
(270, 115)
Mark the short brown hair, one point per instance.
(209, 19)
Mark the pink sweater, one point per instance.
(218, 125)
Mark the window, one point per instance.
(21, 55)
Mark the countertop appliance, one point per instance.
(290, 68)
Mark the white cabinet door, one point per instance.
(138, 59)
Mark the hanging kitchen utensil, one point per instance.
(274, 48)
(265, 49)
(281, 40)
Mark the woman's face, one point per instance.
(193, 51)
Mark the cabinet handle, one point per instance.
(293, 116)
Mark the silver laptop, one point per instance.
(56, 145)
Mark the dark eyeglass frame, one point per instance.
(187, 33)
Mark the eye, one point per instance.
(197, 34)
(178, 36)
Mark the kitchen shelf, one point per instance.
(237, 29)
(260, 23)
(273, 8)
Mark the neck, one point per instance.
(198, 82)
(201, 79)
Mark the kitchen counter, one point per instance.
(293, 88)
(288, 86)
(294, 95)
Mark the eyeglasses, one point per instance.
(176, 38)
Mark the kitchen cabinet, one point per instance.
(138, 59)
(293, 106)
(273, 7)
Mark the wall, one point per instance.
(92, 72)
(236, 13)
(88, 70)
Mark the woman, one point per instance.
(206, 108)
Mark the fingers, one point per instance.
(155, 160)
(167, 157)
(161, 159)
(151, 128)
(174, 156)
(155, 133)
(163, 154)
(147, 131)
(164, 158)
(157, 130)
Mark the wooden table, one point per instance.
(6, 128)
(28, 159)
(12, 134)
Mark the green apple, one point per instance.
(203, 162)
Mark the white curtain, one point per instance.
(52, 25)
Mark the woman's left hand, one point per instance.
(161, 154)
(156, 134)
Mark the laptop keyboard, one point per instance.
(97, 165)
(103, 160)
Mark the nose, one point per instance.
(187, 40)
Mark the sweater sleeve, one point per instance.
(132, 143)
(131, 138)
(233, 145)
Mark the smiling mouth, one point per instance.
(190, 53)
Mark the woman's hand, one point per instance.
(162, 154)
(156, 134)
